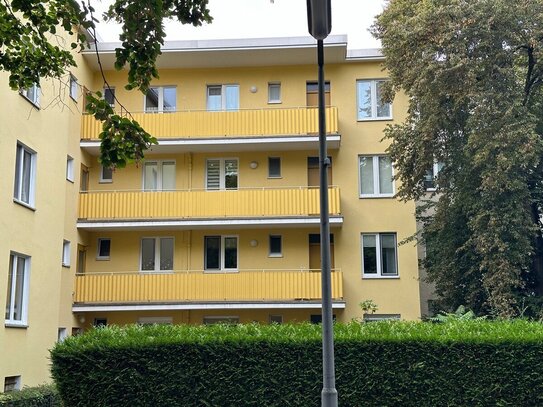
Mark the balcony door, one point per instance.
(313, 177)
(315, 251)
(159, 176)
(221, 173)
(220, 253)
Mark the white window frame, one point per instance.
(436, 167)
(66, 253)
(73, 88)
(275, 254)
(379, 274)
(280, 168)
(270, 86)
(105, 180)
(99, 243)
(160, 108)
(222, 173)
(70, 165)
(17, 193)
(223, 96)
(62, 334)
(375, 166)
(159, 164)
(373, 87)
(157, 240)
(34, 97)
(23, 322)
(222, 269)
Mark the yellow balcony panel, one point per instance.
(225, 204)
(252, 286)
(301, 121)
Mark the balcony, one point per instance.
(190, 289)
(208, 207)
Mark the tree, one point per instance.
(31, 51)
(473, 72)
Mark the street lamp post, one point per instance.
(319, 20)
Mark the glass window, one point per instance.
(148, 254)
(274, 167)
(17, 289)
(157, 253)
(429, 180)
(32, 94)
(379, 257)
(159, 176)
(161, 99)
(221, 252)
(73, 87)
(70, 168)
(212, 253)
(109, 96)
(106, 174)
(274, 93)
(222, 173)
(104, 249)
(370, 100)
(25, 168)
(66, 253)
(222, 97)
(230, 252)
(276, 249)
(376, 176)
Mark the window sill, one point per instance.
(378, 277)
(66, 266)
(70, 180)
(102, 258)
(223, 271)
(16, 325)
(105, 181)
(37, 106)
(276, 256)
(274, 102)
(279, 177)
(383, 196)
(73, 98)
(375, 119)
(32, 208)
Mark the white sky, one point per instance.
(262, 18)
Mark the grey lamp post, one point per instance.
(319, 20)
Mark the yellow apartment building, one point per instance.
(220, 222)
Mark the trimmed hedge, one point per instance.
(39, 396)
(462, 363)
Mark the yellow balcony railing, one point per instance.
(245, 285)
(242, 123)
(244, 203)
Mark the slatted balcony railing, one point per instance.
(242, 203)
(184, 286)
(242, 123)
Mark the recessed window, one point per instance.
(276, 246)
(274, 93)
(221, 253)
(106, 174)
(109, 96)
(276, 319)
(12, 383)
(62, 334)
(430, 177)
(375, 173)
(379, 255)
(370, 101)
(155, 320)
(74, 88)
(17, 289)
(25, 174)
(312, 93)
(274, 167)
(157, 254)
(32, 94)
(222, 97)
(221, 320)
(222, 173)
(159, 176)
(66, 253)
(84, 182)
(70, 169)
(104, 249)
(98, 322)
(162, 99)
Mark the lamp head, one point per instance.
(319, 18)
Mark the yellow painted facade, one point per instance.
(262, 233)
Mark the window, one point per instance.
(32, 94)
(221, 320)
(379, 255)
(276, 319)
(17, 291)
(84, 182)
(381, 317)
(161, 99)
(12, 383)
(104, 249)
(274, 93)
(25, 174)
(73, 87)
(66, 253)
(109, 96)
(312, 93)
(370, 104)
(276, 243)
(222, 173)
(70, 169)
(98, 322)
(430, 177)
(376, 175)
(157, 254)
(274, 167)
(155, 320)
(62, 334)
(222, 97)
(106, 174)
(159, 176)
(221, 253)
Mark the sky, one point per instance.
(234, 19)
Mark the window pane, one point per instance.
(383, 109)
(212, 252)
(10, 283)
(109, 96)
(388, 254)
(231, 174)
(25, 190)
(232, 97)
(369, 243)
(19, 288)
(274, 167)
(17, 188)
(150, 177)
(275, 244)
(147, 254)
(169, 99)
(428, 180)
(214, 98)
(230, 252)
(366, 176)
(385, 175)
(274, 92)
(166, 253)
(107, 174)
(364, 99)
(168, 176)
(151, 100)
(213, 174)
(104, 247)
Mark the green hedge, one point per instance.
(40, 396)
(470, 363)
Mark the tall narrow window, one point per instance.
(222, 97)
(84, 182)
(221, 253)
(222, 173)
(276, 246)
(106, 174)
(17, 289)
(376, 176)
(74, 87)
(159, 176)
(370, 101)
(109, 96)
(274, 167)
(66, 253)
(32, 94)
(274, 93)
(103, 249)
(379, 255)
(157, 253)
(25, 173)
(161, 99)
(70, 169)
(430, 177)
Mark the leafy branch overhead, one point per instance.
(33, 47)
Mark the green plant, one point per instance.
(461, 314)
(368, 306)
(39, 396)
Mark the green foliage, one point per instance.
(368, 306)
(40, 396)
(472, 71)
(461, 362)
(461, 314)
